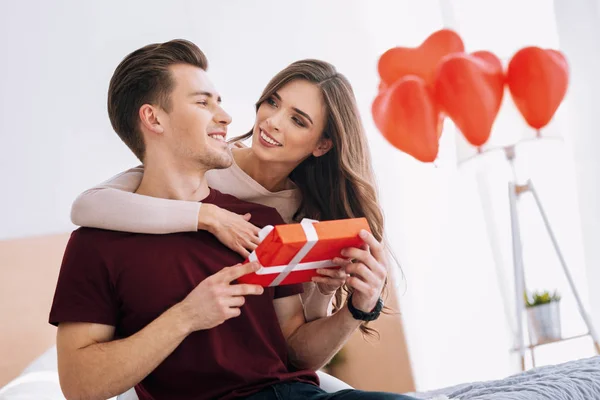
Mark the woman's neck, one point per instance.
(272, 176)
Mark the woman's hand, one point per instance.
(330, 280)
(233, 230)
(367, 274)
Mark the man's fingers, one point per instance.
(247, 216)
(236, 301)
(255, 239)
(250, 245)
(241, 251)
(246, 290)
(232, 273)
(233, 312)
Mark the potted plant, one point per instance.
(543, 312)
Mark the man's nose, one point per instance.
(222, 117)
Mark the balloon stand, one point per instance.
(515, 191)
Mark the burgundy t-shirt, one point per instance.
(127, 280)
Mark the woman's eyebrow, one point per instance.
(305, 115)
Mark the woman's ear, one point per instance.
(323, 147)
(150, 120)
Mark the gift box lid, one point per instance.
(283, 243)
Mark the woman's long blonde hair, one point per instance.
(341, 183)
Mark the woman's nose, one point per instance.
(273, 122)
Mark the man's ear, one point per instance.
(150, 119)
(323, 147)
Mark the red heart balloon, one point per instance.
(469, 89)
(538, 81)
(407, 117)
(421, 61)
(494, 73)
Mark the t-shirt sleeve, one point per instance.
(84, 292)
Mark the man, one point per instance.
(161, 312)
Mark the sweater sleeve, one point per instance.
(113, 205)
(316, 304)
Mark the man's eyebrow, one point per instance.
(305, 115)
(207, 94)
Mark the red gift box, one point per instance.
(292, 253)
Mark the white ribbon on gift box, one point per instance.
(295, 264)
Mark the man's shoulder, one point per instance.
(85, 233)
(261, 214)
(93, 238)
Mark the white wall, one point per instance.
(579, 29)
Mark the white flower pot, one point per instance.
(544, 322)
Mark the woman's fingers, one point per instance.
(339, 274)
(328, 281)
(359, 285)
(375, 247)
(366, 258)
(342, 262)
(361, 271)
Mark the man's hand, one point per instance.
(216, 300)
(233, 230)
(367, 273)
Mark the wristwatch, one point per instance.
(365, 316)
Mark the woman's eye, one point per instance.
(204, 102)
(298, 122)
(271, 102)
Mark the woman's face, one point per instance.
(289, 125)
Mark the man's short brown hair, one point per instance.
(143, 77)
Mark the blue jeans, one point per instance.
(301, 391)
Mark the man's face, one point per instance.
(196, 125)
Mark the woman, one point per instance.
(309, 159)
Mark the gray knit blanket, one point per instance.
(574, 380)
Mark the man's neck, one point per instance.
(273, 177)
(170, 180)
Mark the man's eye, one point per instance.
(204, 103)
